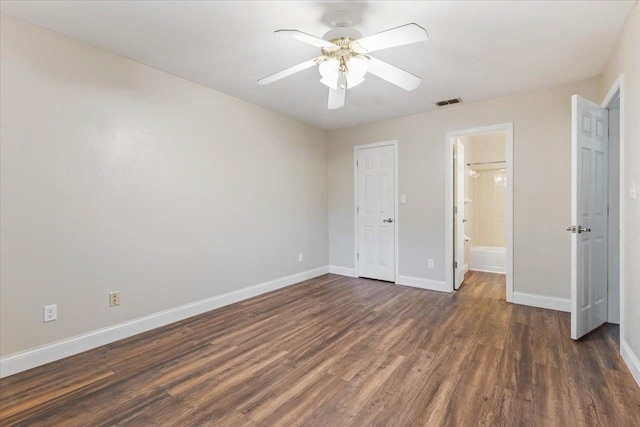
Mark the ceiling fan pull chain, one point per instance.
(342, 80)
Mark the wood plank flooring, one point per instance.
(336, 351)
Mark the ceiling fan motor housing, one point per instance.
(342, 33)
(341, 21)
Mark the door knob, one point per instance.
(388, 220)
(579, 229)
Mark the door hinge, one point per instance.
(455, 264)
(358, 255)
(455, 209)
(357, 163)
(358, 209)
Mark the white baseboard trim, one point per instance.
(22, 361)
(631, 360)
(342, 271)
(490, 269)
(417, 282)
(542, 301)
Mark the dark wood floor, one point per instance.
(335, 351)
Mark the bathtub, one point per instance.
(492, 259)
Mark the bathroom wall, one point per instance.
(489, 201)
(486, 211)
(470, 226)
(487, 147)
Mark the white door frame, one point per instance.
(459, 237)
(396, 219)
(617, 89)
(448, 200)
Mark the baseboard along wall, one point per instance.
(542, 301)
(631, 360)
(418, 282)
(23, 361)
(342, 271)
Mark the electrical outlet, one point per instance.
(300, 258)
(114, 298)
(430, 263)
(50, 312)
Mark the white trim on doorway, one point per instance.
(396, 221)
(448, 217)
(618, 90)
(616, 93)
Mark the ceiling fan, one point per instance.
(345, 56)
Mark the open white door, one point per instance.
(589, 134)
(376, 213)
(458, 215)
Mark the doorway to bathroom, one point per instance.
(479, 203)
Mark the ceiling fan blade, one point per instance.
(306, 38)
(399, 36)
(292, 70)
(395, 75)
(336, 98)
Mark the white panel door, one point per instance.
(376, 213)
(459, 215)
(589, 201)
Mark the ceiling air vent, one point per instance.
(448, 102)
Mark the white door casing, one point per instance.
(376, 212)
(589, 201)
(459, 214)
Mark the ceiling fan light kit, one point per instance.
(345, 58)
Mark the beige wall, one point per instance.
(625, 59)
(116, 176)
(542, 136)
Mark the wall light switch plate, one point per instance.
(300, 258)
(403, 198)
(632, 190)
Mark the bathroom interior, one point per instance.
(485, 202)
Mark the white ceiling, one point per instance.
(476, 50)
